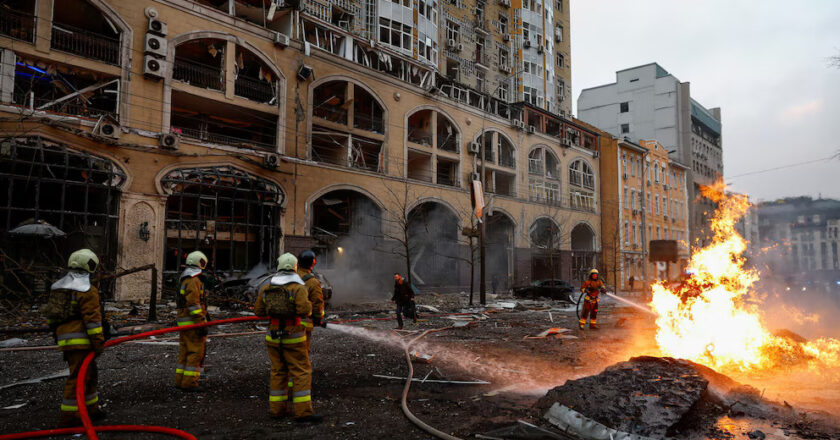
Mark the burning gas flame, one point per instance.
(712, 317)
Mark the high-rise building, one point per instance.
(647, 102)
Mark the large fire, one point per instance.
(712, 318)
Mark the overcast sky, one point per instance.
(763, 62)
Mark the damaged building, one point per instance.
(246, 128)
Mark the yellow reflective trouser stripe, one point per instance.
(294, 338)
(301, 396)
(270, 339)
(70, 404)
(78, 341)
(183, 323)
(191, 373)
(278, 396)
(94, 331)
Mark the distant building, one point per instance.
(647, 102)
(644, 200)
(806, 234)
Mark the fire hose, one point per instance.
(90, 431)
(404, 403)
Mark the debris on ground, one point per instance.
(549, 332)
(523, 430)
(13, 342)
(421, 357)
(59, 375)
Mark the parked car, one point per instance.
(558, 290)
(246, 289)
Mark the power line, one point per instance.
(836, 155)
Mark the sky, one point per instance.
(763, 62)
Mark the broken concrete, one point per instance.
(644, 396)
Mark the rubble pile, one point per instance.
(653, 397)
(645, 395)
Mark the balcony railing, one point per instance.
(86, 44)
(482, 58)
(255, 89)
(198, 75)
(221, 139)
(18, 25)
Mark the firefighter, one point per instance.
(592, 288)
(404, 299)
(190, 304)
(285, 300)
(73, 313)
(306, 263)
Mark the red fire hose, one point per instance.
(90, 430)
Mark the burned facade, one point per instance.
(350, 128)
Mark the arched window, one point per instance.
(543, 176)
(338, 108)
(500, 154)
(199, 65)
(581, 186)
(432, 151)
(81, 29)
(232, 216)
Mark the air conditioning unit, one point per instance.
(155, 45)
(153, 67)
(506, 37)
(505, 3)
(540, 48)
(474, 176)
(518, 123)
(665, 186)
(504, 67)
(271, 160)
(596, 154)
(451, 43)
(169, 141)
(460, 47)
(474, 148)
(565, 142)
(281, 40)
(527, 44)
(531, 129)
(156, 27)
(108, 129)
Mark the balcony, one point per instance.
(198, 75)
(255, 89)
(66, 38)
(482, 25)
(221, 139)
(482, 58)
(18, 25)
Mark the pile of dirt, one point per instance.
(645, 395)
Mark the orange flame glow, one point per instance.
(711, 318)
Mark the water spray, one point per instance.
(631, 303)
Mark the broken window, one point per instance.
(447, 134)
(542, 166)
(331, 102)
(54, 186)
(253, 79)
(346, 225)
(81, 29)
(503, 183)
(453, 70)
(433, 240)
(453, 31)
(231, 216)
(544, 234)
(222, 123)
(17, 19)
(419, 166)
(200, 63)
(447, 172)
(580, 174)
(395, 33)
(58, 88)
(420, 127)
(507, 154)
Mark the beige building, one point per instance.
(644, 204)
(147, 129)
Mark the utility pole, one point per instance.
(551, 250)
(483, 230)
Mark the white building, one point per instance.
(647, 102)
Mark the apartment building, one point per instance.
(644, 200)
(147, 129)
(648, 102)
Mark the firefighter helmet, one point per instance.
(197, 259)
(83, 259)
(306, 259)
(593, 271)
(287, 261)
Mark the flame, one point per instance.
(713, 317)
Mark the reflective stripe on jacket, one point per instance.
(83, 332)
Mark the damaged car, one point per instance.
(559, 290)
